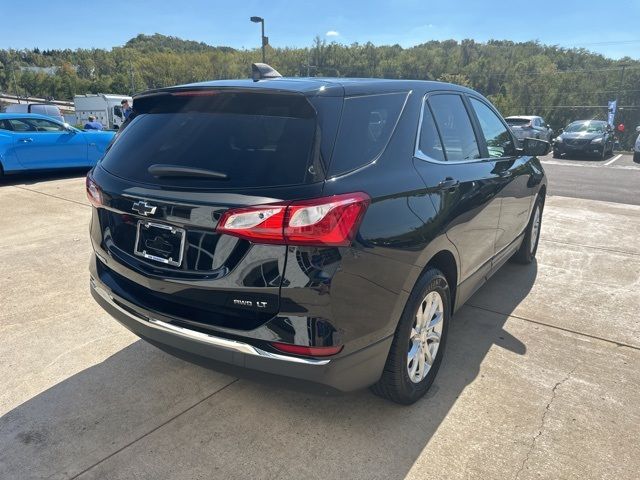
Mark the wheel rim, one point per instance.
(424, 340)
(535, 229)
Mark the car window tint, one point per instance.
(256, 139)
(21, 126)
(46, 125)
(4, 125)
(455, 127)
(365, 129)
(429, 143)
(496, 135)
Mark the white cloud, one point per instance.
(332, 33)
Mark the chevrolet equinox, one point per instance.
(317, 230)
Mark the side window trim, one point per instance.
(472, 119)
(483, 142)
(407, 94)
(419, 153)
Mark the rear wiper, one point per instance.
(162, 170)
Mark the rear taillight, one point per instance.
(306, 351)
(94, 193)
(322, 221)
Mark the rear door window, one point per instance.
(366, 126)
(455, 128)
(255, 139)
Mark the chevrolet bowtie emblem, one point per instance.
(143, 208)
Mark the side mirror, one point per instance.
(69, 128)
(535, 147)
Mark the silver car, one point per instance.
(530, 127)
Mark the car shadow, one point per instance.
(41, 176)
(143, 412)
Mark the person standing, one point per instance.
(93, 124)
(126, 108)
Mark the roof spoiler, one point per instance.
(261, 71)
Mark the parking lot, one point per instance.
(541, 377)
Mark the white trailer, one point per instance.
(105, 107)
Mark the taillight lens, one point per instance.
(94, 193)
(259, 224)
(306, 351)
(322, 221)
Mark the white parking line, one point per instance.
(617, 157)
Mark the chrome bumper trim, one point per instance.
(224, 343)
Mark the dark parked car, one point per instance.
(530, 127)
(585, 138)
(320, 230)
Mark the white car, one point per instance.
(636, 148)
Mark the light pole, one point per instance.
(265, 40)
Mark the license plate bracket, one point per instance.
(160, 242)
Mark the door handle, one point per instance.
(26, 140)
(448, 183)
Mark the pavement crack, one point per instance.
(556, 327)
(52, 196)
(543, 420)
(595, 247)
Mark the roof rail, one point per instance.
(261, 71)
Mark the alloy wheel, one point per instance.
(535, 229)
(424, 340)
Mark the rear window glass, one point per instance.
(517, 121)
(255, 139)
(365, 129)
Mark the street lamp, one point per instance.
(265, 40)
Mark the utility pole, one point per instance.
(309, 66)
(133, 88)
(618, 101)
(15, 83)
(624, 65)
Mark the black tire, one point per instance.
(556, 154)
(395, 383)
(527, 251)
(636, 157)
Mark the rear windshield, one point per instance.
(254, 139)
(517, 121)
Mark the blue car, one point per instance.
(36, 142)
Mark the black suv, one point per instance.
(320, 230)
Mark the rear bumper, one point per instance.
(342, 373)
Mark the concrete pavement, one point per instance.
(614, 179)
(541, 377)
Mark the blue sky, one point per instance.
(108, 23)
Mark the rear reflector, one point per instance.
(306, 351)
(94, 194)
(321, 221)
